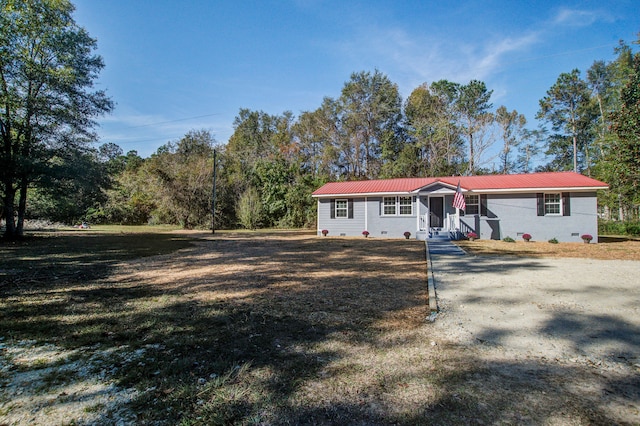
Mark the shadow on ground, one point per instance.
(272, 330)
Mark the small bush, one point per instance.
(508, 239)
(249, 209)
(365, 233)
(324, 232)
(611, 227)
(472, 235)
(526, 237)
(407, 235)
(553, 241)
(586, 237)
(632, 228)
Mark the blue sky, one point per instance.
(173, 66)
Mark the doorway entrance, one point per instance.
(436, 212)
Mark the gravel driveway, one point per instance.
(576, 320)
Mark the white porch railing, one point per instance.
(453, 222)
(424, 222)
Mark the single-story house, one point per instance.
(561, 205)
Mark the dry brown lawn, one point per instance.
(243, 328)
(607, 249)
(238, 328)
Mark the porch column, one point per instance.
(427, 216)
(366, 213)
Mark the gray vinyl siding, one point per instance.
(341, 226)
(374, 222)
(389, 226)
(506, 215)
(515, 214)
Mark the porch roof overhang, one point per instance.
(443, 188)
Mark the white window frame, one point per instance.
(401, 205)
(469, 203)
(553, 203)
(392, 206)
(344, 210)
(386, 204)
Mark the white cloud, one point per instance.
(494, 52)
(413, 59)
(576, 18)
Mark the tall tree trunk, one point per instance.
(575, 147)
(587, 159)
(22, 207)
(602, 126)
(356, 160)
(471, 155)
(506, 159)
(9, 213)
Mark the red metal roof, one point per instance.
(529, 181)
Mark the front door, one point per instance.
(436, 212)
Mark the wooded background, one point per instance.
(588, 122)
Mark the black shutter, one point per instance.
(540, 198)
(566, 204)
(333, 208)
(350, 208)
(483, 204)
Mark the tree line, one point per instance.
(272, 163)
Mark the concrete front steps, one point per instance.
(434, 234)
(438, 234)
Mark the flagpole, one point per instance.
(459, 204)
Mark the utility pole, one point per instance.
(213, 199)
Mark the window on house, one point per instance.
(473, 204)
(397, 206)
(342, 208)
(552, 204)
(406, 205)
(389, 206)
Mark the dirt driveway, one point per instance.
(563, 327)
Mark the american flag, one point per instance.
(458, 199)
